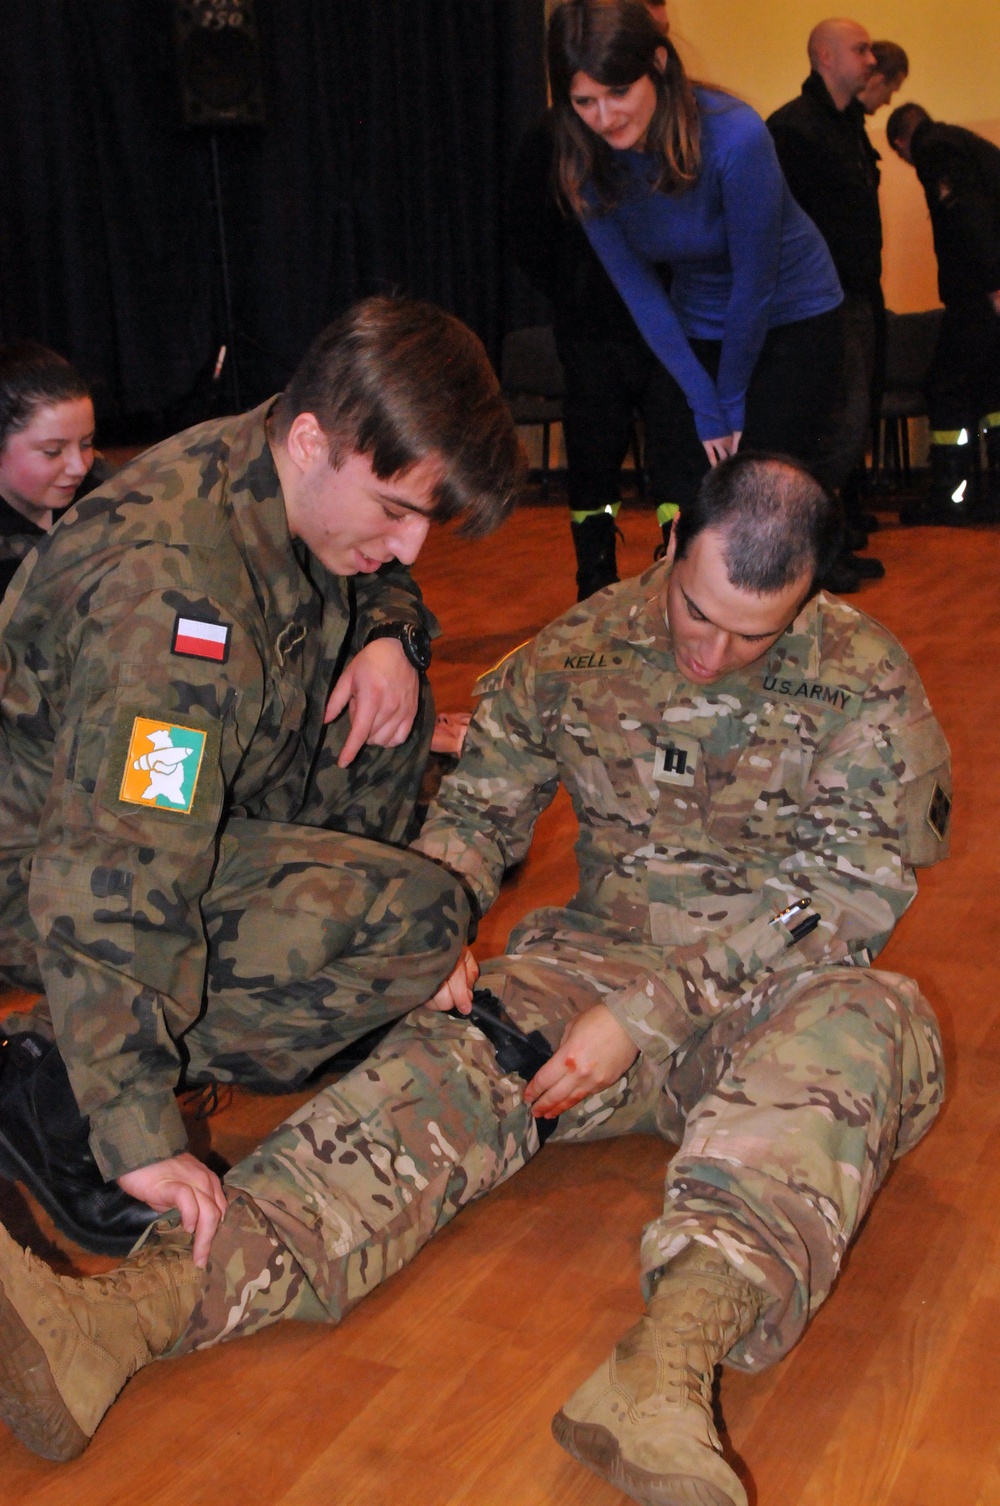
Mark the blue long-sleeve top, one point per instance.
(745, 258)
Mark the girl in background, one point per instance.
(47, 456)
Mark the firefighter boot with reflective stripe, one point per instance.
(69, 1344)
(644, 1419)
(595, 540)
(953, 474)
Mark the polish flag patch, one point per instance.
(201, 640)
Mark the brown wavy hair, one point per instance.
(397, 380)
(615, 42)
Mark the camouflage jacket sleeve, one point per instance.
(116, 884)
(390, 595)
(485, 812)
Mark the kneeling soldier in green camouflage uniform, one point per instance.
(756, 772)
(192, 866)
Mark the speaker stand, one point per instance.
(226, 360)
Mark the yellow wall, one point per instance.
(757, 48)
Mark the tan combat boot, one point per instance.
(68, 1345)
(644, 1419)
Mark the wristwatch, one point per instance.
(415, 640)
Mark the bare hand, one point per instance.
(186, 1184)
(995, 300)
(594, 1052)
(456, 991)
(720, 449)
(382, 689)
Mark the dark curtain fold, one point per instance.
(391, 125)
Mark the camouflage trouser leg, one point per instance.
(357, 1181)
(252, 1280)
(315, 937)
(795, 1106)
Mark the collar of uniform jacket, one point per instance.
(254, 492)
(638, 620)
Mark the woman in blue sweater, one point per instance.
(661, 170)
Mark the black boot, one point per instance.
(841, 577)
(866, 566)
(922, 511)
(989, 511)
(44, 1144)
(953, 478)
(594, 541)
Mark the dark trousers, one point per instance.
(791, 402)
(608, 382)
(964, 380)
(851, 428)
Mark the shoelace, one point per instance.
(207, 1098)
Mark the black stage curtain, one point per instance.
(391, 125)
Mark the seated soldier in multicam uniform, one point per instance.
(756, 772)
(213, 717)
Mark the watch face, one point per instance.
(415, 641)
(417, 644)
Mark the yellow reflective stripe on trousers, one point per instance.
(611, 508)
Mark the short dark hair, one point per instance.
(33, 377)
(903, 122)
(891, 61)
(397, 380)
(778, 523)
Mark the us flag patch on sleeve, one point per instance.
(195, 639)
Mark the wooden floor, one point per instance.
(438, 1391)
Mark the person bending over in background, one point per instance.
(756, 773)
(192, 865)
(47, 455)
(960, 175)
(660, 170)
(611, 373)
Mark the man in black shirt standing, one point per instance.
(832, 169)
(960, 175)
